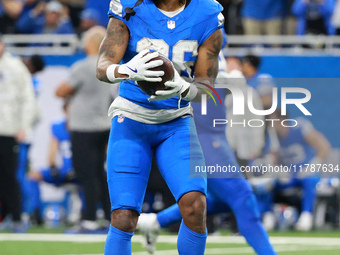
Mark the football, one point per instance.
(151, 87)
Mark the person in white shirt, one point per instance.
(17, 111)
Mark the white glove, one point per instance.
(176, 88)
(138, 69)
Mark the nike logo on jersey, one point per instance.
(133, 70)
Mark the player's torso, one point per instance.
(178, 38)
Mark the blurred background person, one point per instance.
(264, 184)
(35, 64)
(9, 12)
(17, 111)
(29, 189)
(75, 8)
(61, 172)
(247, 142)
(232, 14)
(262, 17)
(233, 63)
(88, 18)
(261, 82)
(101, 7)
(289, 20)
(60, 145)
(301, 145)
(336, 17)
(314, 16)
(46, 18)
(28, 5)
(89, 125)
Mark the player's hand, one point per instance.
(138, 67)
(174, 88)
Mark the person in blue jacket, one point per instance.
(45, 19)
(314, 16)
(263, 16)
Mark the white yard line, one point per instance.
(236, 250)
(171, 239)
(282, 244)
(53, 238)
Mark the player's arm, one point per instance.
(318, 141)
(113, 48)
(206, 67)
(111, 52)
(64, 90)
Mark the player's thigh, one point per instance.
(177, 157)
(128, 164)
(229, 190)
(215, 205)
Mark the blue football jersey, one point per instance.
(178, 38)
(294, 148)
(61, 133)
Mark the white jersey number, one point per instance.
(178, 51)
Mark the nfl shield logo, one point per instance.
(121, 118)
(171, 24)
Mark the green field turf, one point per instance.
(51, 242)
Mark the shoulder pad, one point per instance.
(117, 6)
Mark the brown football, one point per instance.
(151, 87)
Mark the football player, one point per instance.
(188, 33)
(232, 191)
(301, 145)
(261, 82)
(61, 144)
